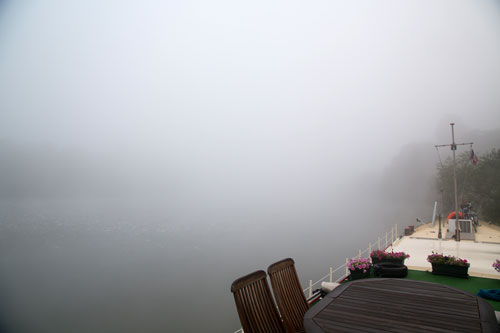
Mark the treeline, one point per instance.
(479, 184)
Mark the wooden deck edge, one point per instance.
(485, 275)
(397, 241)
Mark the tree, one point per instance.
(485, 185)
(479, 184)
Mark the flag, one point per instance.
(473, 157)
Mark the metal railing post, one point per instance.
(369, 248)
(346, 269)
(310, 288)
(396, 229)
(359, 254)
(331, 274)
(392, 236)
(378, 243)
(386, 239)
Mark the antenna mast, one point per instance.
(453, 146)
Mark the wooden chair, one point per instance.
(288, 293)
(255, 304)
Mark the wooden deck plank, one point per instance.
(468, 309)
(408, 317)
(393, 305)
(402, 308)
(408, 309)
(367, 323)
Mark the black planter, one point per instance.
(375, 260)
(450, 270)
(389, 270)
(359, 274)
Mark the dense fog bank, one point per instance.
(152, 152)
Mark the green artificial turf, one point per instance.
(472, 284)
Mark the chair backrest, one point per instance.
(288, 293)
(255, 304)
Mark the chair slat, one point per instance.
(290, 299)
(255, 305)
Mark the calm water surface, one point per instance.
(115, 266)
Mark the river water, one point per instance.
(128, 266)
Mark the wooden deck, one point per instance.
(394, 305)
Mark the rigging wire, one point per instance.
(439, 156)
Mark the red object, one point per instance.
(453, 214)
(473, 157)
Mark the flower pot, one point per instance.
(359, 274)
(450, 270)
(389, 270)
(376, 260)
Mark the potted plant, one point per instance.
(448, 265)
(496, 265)
(359, 268)
(379, 256)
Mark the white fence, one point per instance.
(340, 273)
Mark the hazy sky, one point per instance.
(233, 85)
(238, 129)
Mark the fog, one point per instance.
(153, 152)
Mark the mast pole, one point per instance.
(440, 234)
(454, 148)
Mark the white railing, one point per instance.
(342, 271)
(382, 243)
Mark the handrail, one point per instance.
(371, 246)
(377, 245)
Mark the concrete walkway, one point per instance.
(480, 253)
